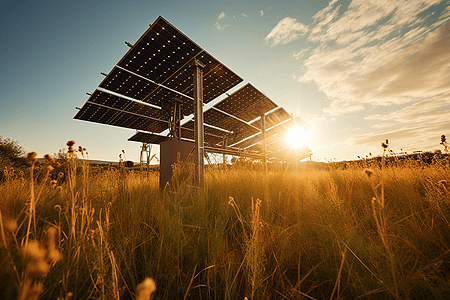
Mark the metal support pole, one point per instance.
(263, 132)
(225, 141)
(198, 124)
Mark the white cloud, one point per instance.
(220, 24)
(261, 12)
(244, 15)
(383, 55)
(301, 53)
(288, 29)
(378, 53)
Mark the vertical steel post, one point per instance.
(199, 152)
(263, 132)
(225, 141)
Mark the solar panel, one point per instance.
(273, 118)
(277, 130)
(209, 139)
(109, 109)
(159, 67)
(239, 128)
(148, 138)
(247, 103)
(207, 129)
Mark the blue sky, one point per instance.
(356, 72)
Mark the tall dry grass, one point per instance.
(315, 234)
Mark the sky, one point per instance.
(356, 72)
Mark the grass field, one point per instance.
(86, 233)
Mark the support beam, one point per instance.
(199, 151)
(263, 133)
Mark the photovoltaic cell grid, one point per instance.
(247, 103)
(148, 138)
(166, 56)
(162, 56)
(109, 109)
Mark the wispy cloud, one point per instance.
(261, 12)
(244, 15)
(220, 24)
(301, 53)
(380, 54)
(288, 29)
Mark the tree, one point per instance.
(11, 152)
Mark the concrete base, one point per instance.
(168, 156)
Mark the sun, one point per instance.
(296, 137)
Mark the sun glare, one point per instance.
(296, 137)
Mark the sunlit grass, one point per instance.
(314, 234)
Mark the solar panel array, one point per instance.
(156, 69)
(159, 68)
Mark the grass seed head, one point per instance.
(48, 159)
(145, 289)
(31, 158)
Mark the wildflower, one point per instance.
(50, 168)
(69, 145)
(59, 188)
(80, 149)
(57, 207)
(145, 289)
(384, 145)
(31, 158)
(61, 174)
(48, 159)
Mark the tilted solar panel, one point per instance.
(239, 129)
(273, 118)
(109, 109)
(148, 138)
(247, 103)
(159, 68)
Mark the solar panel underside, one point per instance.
(277, 130)
(156, 69)
(247, 103)
(186, 134)
(273, 118)
(148, 138)
(109, 109)
(165, 56)
(240, 130)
